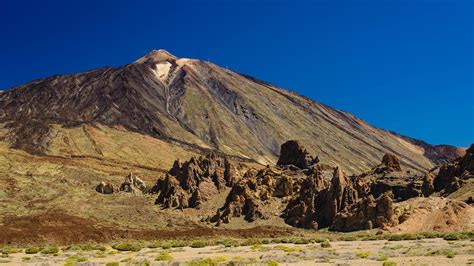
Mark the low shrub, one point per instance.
(389, 263)
(207, 261)
(251, 242)
(450, 253)
(114, 263)
(271, 263)
(9, 250)
(325, 244)
(32, 250)
(127, 247)
(229, 242)
(363, 255)
(300, 241)
(288, 249)
(50, 250)
(455, 236)
(381, 257)
(199, 244)
(164, 256)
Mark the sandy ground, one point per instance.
(415, 252)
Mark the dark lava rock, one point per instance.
(292, 153)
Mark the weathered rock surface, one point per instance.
(106, 188)
(451, 176)
(432, 214)
(191, 183)
(367, 213)
(319, 200)
(133, 184)
(255, 189)
(389, 177)
(292, 153)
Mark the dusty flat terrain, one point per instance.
(412, 252)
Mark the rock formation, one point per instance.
(367, 213)
(106, 188)
(389, 177)
(319, 200)
(451, 176)
(133, 184)
(191, 183)
(292, 153)
(255, 189)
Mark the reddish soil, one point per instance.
(63, 229)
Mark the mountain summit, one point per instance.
(192, 105)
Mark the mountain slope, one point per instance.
(196, 105)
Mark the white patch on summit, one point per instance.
(162, 70)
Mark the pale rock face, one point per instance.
(162, 70)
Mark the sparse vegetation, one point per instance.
(9, 250)
(381, 257)
(363, 254)
(199, 244)
(455, 236)
(325, 244)
(114, 263)
(164, 256)
(32, 250)
(128, 246)
(207, 261)
(228, 242)
(50, 250)
(287, 249)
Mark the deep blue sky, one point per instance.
(402, 65)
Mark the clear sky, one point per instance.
(402, 65)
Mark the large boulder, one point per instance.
(106, 188)
(292, 153)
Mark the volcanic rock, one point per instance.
(191, 183)
(451, 176)
(292, 153)
(133, 184)
(106, 188)
(319, 200)
(366, 214)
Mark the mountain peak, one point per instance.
(156, 56)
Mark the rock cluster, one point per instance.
(450, 177)
(133, 184)
(366, 214)
(191, 183)
(106, 188)
(319, 200)
(254, 189)
(352, 203)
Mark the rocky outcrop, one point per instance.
(256, 189)
(292, 153)
(191, 183)
(390, 163)
(106, 188)
(367, 213)
(133, 184)
(451, 176)
(390, 177)
(319, 200)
